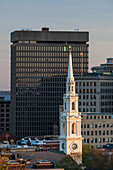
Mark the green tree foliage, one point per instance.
(96, 159)
(67, 163)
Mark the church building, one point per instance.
(70, 118)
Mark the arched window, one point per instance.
(65, 105)
(73, 105)
(72, 88)
(63, 128)
(74, 128)
(68, 88)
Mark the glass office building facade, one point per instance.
(39, 67)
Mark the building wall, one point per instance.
(97, 129)
(95, 93)
(4, 110)
(39, 66)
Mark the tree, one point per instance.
(67, 163)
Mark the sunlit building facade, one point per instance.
(39, 67)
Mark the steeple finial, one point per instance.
(70, 67)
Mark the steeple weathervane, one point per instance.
(70, 49)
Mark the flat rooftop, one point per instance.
(49, 36)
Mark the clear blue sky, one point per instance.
(95, 16)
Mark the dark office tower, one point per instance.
(39, 66)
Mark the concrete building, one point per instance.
(104, 68)
(39, 67)
(97, 129)
(4, 110)
(95, 91)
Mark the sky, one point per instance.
(95, 16)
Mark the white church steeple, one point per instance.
(70, 118)
(70, 67)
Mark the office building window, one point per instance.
(107, 132)
(91, 133)
(99, 132)
(99, 140)
(107, 139)
(103, 132)
(99, 125)
(103, 140)
(95, 140)
(91, 140)
(95, 133)
(104, 125)
(87, 125)
(87, 133)
(91, 125)
(84, 140)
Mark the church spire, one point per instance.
(70, 67)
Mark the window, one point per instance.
(99, 125)
(84, 125)
(74, 128)
(84, 132)
(95, 133)
(87, 83)
(104, 125)
(99, 140)
(94, 83)
(99, 132)
(87, 140)
(107, 125)
(103, 132)
(95, 140)
(72, 88)
(107, 139)
(87, 133)
(103, 140)
(91, 125)
(91, 140)
(68, 88)
(107, 132)
(91, 83)
(111, 125)
(73, 105)
(63, 128)
(91, 133)
(95, 125)
(87, 125)
(65, 105)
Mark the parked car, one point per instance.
(43, 164)
(12, 162)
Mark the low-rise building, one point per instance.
(48, 144)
